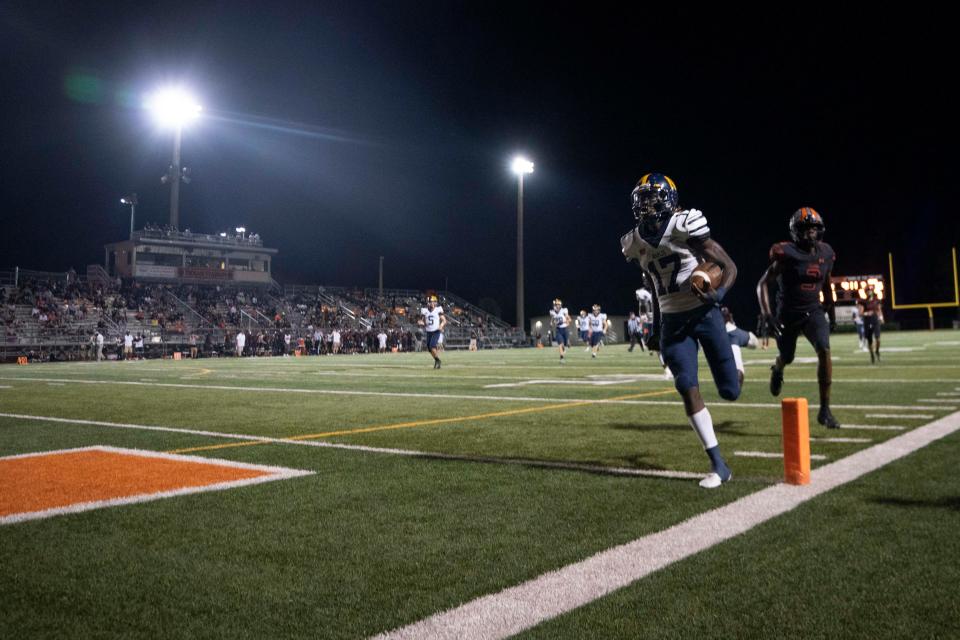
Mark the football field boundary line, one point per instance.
(429, 455)
(449, 396)
(515, 609)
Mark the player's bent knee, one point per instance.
(729, 391)
(684, 383)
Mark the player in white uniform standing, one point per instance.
(597, 324)
(668, 243)
(560, 318)
(433, 323)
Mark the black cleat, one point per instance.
(826, 418)
(776, 380)
(436, 364)
(872, 360)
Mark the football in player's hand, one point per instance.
(705, 277)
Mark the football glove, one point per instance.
(776, 329)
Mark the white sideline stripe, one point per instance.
(621, 471)
(769, 454)
(842, 440)
(450, 396)
(521, 607)
(273, 473)
(915, 416)
(935, 400)
(948, 393)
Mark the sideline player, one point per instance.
(801, 269)
(668, 243)
(560, 319)
(872, 319)
(598, 325)
(433, 323)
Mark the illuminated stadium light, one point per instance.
(223, 234)
(241, 229)
(521, 165)
(173, 107)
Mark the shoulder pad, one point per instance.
(691, 224)
(778, 252)
(629, 245)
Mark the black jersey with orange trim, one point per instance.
(802, 275)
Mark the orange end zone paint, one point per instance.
(64, 479)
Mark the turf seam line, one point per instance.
(508, 612)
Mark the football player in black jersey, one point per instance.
(872, 312)
(801, 270)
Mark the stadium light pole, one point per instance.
(130, 200)
(174, 108)
(520, 166)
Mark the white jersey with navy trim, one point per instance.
(668, 258)
(583, 324)
(431, 318)
(598, 321)
(560, 317)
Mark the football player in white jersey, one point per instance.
(560, 319)
(597, 324)
(668, 243)
(433, 323)
(644, 300)
(583, 326)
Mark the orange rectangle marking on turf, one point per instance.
(92, 477)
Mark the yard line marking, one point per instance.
(842, 440)
(875, 427)
(248, 440)
(948, 393)
(5, 386)
(508, 612)
(768, 454)
(935, 400)
(916, 416)
(450, 396)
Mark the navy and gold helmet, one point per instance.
(432, 299)
(557, 302)
(654, 197)
(803, 219)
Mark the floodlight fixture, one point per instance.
(521, 165)
(173, 106)
(241, 229)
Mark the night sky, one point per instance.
(343, 131)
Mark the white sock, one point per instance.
(702, 423)
(738, 357)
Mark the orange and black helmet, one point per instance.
(802, 219)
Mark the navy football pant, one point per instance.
(682, 334)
